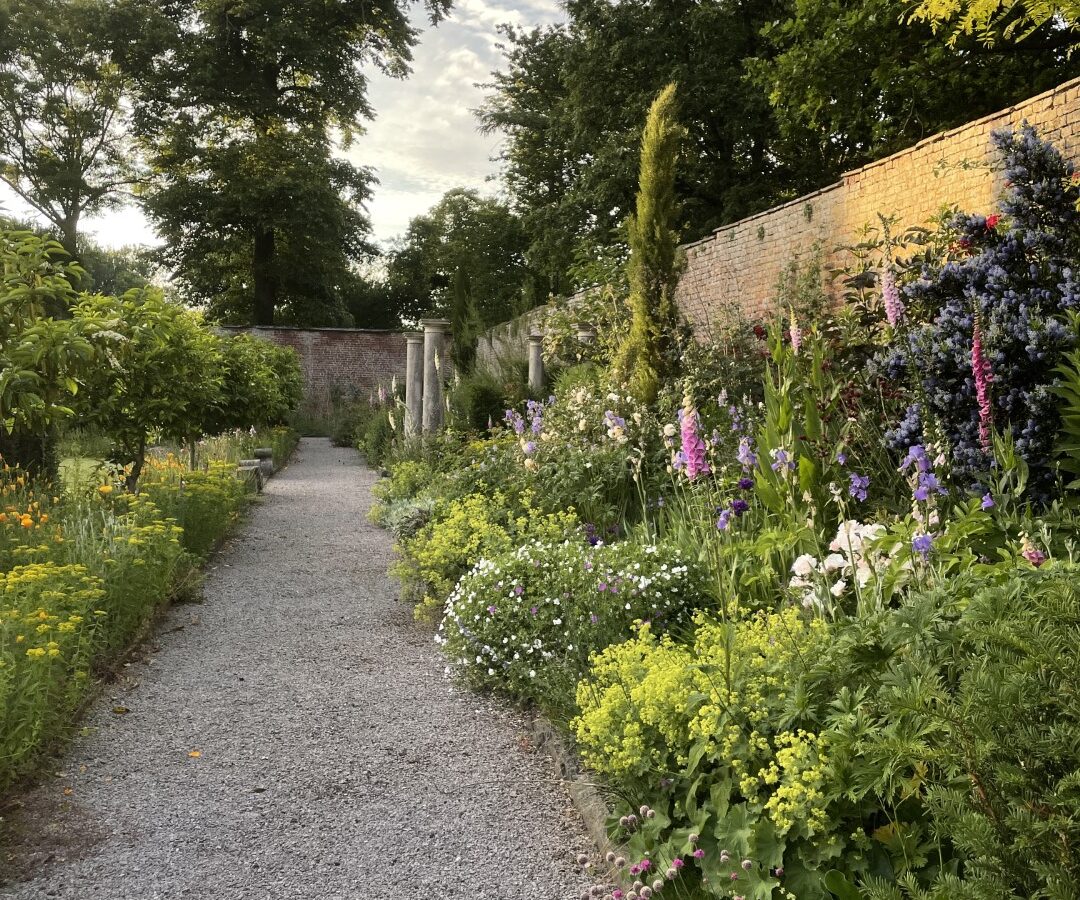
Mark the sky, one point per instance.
(424, 139)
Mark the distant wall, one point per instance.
(738, 265)
(339, 360)
(504, 341)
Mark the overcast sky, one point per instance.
(424, 139)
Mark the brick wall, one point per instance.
(739, 265)
(340, 361)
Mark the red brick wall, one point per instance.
(737, 267)
(340, 361)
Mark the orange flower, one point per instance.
(26, 522)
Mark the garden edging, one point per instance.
(586, 798)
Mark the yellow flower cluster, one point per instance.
(649, 706)
(44, 608)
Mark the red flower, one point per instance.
(759, 332)
(991, 221)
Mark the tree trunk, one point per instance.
(264, 277)
(69, 240)
(132, 480)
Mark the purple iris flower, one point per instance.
(859, 484)
(746, 455)
(922, 544)
(927, 485)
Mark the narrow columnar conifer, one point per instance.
(647, 356)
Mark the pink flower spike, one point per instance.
(890, 296)
(693, 447)
(980, 370)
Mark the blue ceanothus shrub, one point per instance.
(1018, 272)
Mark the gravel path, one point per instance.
(334, 761)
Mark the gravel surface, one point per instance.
(294, 736)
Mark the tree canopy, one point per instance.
(474, 240)
(778, 98)
(242, 107)
(63, 114)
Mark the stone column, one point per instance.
(414, 383)
(536, 363)
(434, 365)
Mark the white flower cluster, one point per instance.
(851, 558)
(545, 603)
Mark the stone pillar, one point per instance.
(434, 365)
(536, 363)
(414, 383)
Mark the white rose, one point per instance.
(804, 565)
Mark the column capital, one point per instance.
(414, 337)
(435, 324)
(536, 337)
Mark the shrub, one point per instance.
(976, 715)
(49, 615)
(715, 732)
(527, 620)
(204, 503)
(1012, 277)
(468, 529)
(477, 399)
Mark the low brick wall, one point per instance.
(339, 361)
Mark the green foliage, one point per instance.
(977, 716)
(992, 21)
(267, 88)
(64, 113)
(464, 259)
(526, 621)
(915, 84)
(163, 373)
(461, 532)
(570, 100)
(481, 397)
(261, 384)
(719, 721)
(646, 357)
(41, 359)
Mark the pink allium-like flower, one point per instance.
(693, 447)
(890, 296)
(980, 369)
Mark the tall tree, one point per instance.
(63, 113)
(647, 356)
(850, 82)
(476, 240)
(571, 100)
(240, 104)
